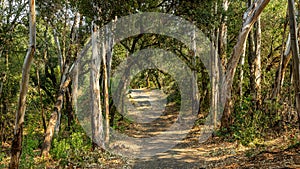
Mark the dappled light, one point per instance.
(172, 84)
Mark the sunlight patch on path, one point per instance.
(144, 106)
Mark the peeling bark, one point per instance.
(96, 116)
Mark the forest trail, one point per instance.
(151, 108)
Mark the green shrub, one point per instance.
(77, 141)
(70, 147)
(250, 124)
(60, 148)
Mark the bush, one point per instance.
(60, 148)
(70, 147)
(251, 124)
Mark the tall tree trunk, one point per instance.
(242, 74)
(215, 36)
(257, 63)
(249, 18)
(285, 50)
(215, 70)
(61, 63)
(58, 105)
(223, 34)
(242, 66)
(110, 49)
(251, 58)
(254, 60)
(96, 116)
(295, 52)
(109, 64)
(195, 95)
(105, 55)
(66, 63)
(54, 121)
(16, 147)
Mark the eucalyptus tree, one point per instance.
(13, 40)
(16, 147)
(249, 18)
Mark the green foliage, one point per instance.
(2, 155)
(70, 147)
(251, 124)
(77, 141)
(60, 148)
(30, 150)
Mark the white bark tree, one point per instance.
(249, 18)
(16, 147)
(96, 116)
(54, 121)
(257, 63)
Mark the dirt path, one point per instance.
(153, 115)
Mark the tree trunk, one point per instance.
(242, 74)
(1, 83)
(215, 70)
(60, 57)
(285, 50)
(107, 45)
(69, 107)
(251, 59)
(195, 92)
(54, 121)
(257, 64)
(223, 34)
(249, 18)
(41, 101)
(66, 64)
(96, 116)
(295, 52)
(16, 147)
(58, 105)
(109, 63)
(54, 117)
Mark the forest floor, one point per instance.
(216, 152)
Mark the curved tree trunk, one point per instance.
(249, 17)
(53, 119)
(16, 147)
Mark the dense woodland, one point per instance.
(255, 42)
